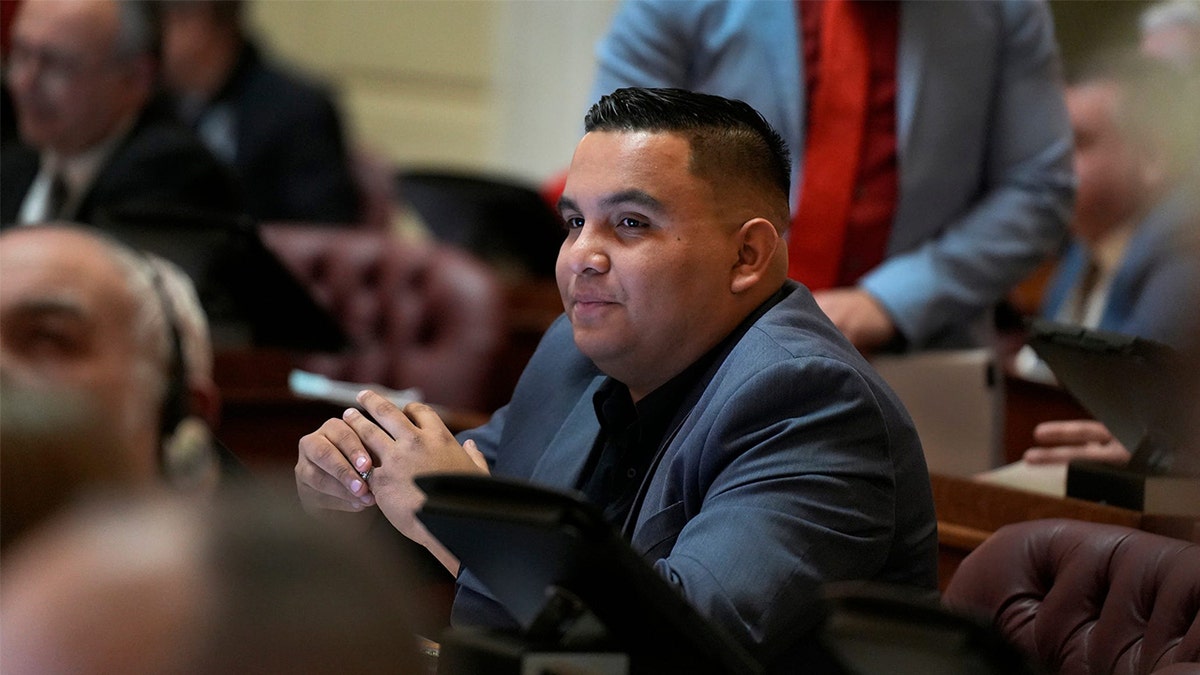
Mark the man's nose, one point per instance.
(587, 251)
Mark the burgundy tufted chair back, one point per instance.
(416, 314)
(1087, 598)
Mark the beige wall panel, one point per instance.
(422, 39)
(496, 85)
(421, 130)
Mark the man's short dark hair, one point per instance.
(726, 135)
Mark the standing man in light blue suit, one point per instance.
(694, 394)
(983, 144)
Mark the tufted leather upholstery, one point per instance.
(419, 315)
(1087, 598)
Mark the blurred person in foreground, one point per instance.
(1133, 266)
(146, 584)
(281, 133)
(701, 400)
(117, 340)
(96, 140)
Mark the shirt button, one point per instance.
(631, 473)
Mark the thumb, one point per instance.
(476, 456)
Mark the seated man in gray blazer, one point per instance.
(702, 400)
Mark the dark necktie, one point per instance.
(56, 201)
(833, 147)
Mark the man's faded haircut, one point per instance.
(726, 136)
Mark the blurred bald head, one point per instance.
(244, 583)
(79, 312)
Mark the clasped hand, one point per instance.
(395, 445)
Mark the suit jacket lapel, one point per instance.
(562, 462)
(918, 30)
(20, 167)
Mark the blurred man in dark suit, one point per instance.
(94, 140)
(281, 133)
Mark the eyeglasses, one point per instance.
(54, 67)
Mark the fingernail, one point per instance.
(360, 462)
(368, 499)
(350, 412)
(355, 485)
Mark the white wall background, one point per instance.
(490, 85)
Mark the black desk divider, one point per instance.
(556, 564)
(1140, 390)
(1136, 387)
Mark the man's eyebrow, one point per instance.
(567, 204)
(631, 196)
(38, 306)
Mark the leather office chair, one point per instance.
(416, 314)
(501, 221)
(1087, 598)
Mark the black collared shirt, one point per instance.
(631, 435)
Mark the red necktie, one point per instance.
(833, 147)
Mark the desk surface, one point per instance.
(262, 421)
(969, 511)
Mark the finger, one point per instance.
(1052, 455)
(318, 489)
(425, 418)
(1070, 432)
(1109, 453)
(331, 449)
(475, 455)
(369, 433)
(328, 503)
(387, 415)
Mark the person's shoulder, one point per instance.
(16, 157)
(283, 85)
(159, 131)
(794, 333)
(160, 156)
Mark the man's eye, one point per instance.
(573, 223)
(49, 341)
(632, 223)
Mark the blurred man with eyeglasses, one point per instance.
(93, 138)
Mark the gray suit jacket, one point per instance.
(986, 184)
(796, 466)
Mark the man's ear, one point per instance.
(759, 251)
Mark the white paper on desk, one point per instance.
(1047, 479)
(311, 385)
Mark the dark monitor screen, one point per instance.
(523, 540)
(250, 298)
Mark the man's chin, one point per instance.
(37, 136)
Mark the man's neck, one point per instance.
(79, 169)
(1108, 250)
(220, 67)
